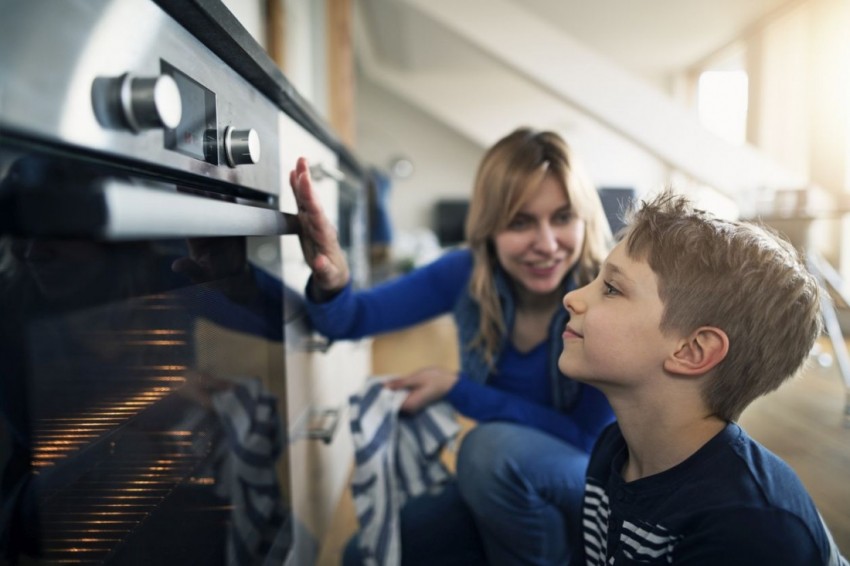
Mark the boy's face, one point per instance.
(614, 334)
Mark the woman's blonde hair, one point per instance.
(507, 178)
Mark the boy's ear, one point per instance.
(699, 352)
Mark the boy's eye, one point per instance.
(609, 289)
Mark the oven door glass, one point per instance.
(142, 399)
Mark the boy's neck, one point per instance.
(662, 434)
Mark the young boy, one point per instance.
(690, 319)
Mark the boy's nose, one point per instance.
(573, 302)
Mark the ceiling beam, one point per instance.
(583, 79)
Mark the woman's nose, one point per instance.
(547, 238)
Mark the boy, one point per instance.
(690, 319)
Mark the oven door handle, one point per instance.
(116, 210)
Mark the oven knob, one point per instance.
(241, 147)
(150, 102)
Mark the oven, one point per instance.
(143, 398)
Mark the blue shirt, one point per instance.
(519, 390)
(733, 502)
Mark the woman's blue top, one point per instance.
(525, 388)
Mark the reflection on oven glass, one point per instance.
(141, 401)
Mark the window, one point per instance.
(722, 103)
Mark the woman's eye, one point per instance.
(565, 217)
(518, 223)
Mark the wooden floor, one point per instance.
(802, 422)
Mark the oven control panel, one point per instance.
(149, 102)
(125, 79)
(185, 111)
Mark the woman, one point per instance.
(535, 230)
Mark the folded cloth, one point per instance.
(396, 456)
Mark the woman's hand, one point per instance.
(426, 386)
(318, 237)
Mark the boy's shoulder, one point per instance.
(738, 467)
(729, 500)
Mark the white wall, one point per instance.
(305, 66)
(446, 162)
(251, 15)
(799, 112)
(306, 58)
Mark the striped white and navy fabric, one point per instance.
(641, 543)
(252, 426)
(396, 457)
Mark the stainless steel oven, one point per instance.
(142, 396)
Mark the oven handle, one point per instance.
(134, 213)
(117, 210)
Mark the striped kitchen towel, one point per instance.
(247, 475)
(396, 456)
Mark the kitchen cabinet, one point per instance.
(320, 375)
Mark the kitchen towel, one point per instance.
(247, 475)
(396, 456)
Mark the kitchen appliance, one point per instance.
(143, 404)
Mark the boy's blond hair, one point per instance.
(740, 277)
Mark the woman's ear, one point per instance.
(699, 352)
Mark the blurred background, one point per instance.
(743, 105)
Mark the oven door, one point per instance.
(143, 389)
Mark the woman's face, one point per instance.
(542, 242)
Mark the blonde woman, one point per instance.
(535, 230)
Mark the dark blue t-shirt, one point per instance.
(733, 503)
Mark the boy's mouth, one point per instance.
(570, 333)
